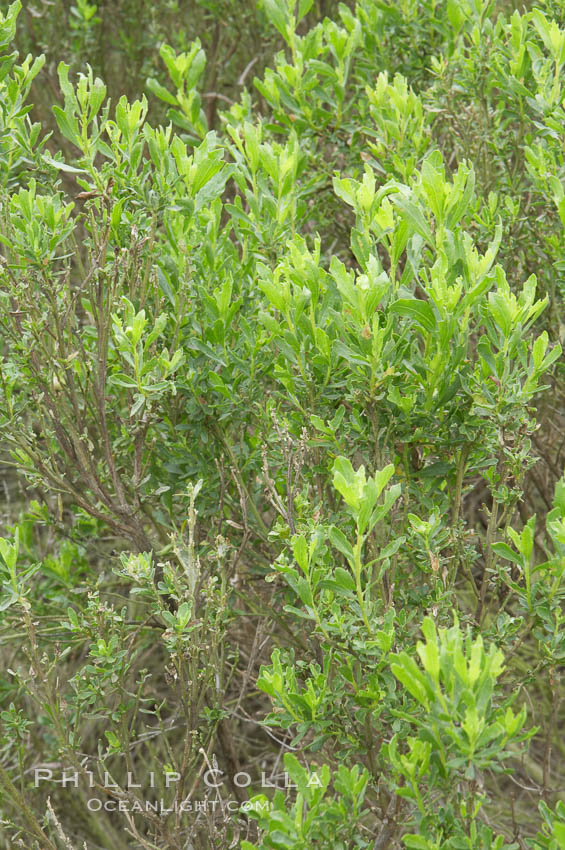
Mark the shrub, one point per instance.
(287, 570)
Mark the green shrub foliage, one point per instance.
(281, 417)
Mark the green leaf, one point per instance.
(62, 166)
(9, 551)
(420, 311)
(276, 15)
(433, 182)
(344, 579)
(300, 552)
(505, 551)
(414, 217)
(304, 7)
(160, 91)
(73, 619)
(391, 548)
(417, 842)
(67, 126)
(350, 484)
(428, 652)
(340, 541)
(408, 673)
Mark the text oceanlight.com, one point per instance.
(122, 797)
(161, 807)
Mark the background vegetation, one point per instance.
(281, 416)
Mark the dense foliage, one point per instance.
(281, 416)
